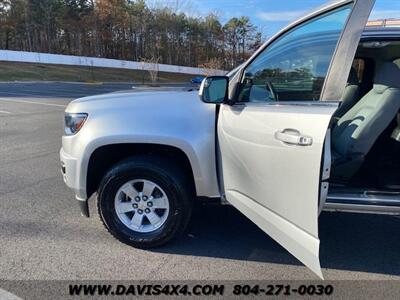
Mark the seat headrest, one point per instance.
(387, 76)
(353, 78)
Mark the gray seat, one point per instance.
(358, 129)
(351, 94)
(396, 132)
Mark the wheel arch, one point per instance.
(111, 154)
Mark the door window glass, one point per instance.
(294, 67)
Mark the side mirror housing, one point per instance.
(214, 89)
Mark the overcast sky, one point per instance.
(270, 15)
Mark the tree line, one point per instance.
(125, 29)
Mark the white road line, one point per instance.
(34, 102)
(4, 295)
(4, 112)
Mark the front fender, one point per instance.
(169, 119)
(190, 152)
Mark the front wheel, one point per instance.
(145, 201)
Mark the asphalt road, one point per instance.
(70, 90)
(42, 235)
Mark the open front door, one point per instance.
(271, 140)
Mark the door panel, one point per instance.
(272, 181)
(272, 150)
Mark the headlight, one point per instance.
(74, 122)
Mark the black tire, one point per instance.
(165, 174)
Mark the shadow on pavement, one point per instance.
(354, 242)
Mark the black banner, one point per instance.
(14, 290)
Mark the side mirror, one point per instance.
(214, 89)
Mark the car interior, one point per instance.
(365, 130)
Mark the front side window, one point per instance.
(294, 67)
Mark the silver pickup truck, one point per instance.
(309, 123)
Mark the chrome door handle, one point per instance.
(293, 137)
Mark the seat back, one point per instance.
(357, 130)
(351, 94)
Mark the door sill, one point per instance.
(363, 201)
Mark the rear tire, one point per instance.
(124, 196)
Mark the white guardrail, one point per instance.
(58, 59)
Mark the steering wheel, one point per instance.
(272, 90)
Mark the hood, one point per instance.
(130, 99)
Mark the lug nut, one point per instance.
(145, 198)
(135, 205)
(137, 198)
(147, 210)
(149, 204)
(140, 211)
